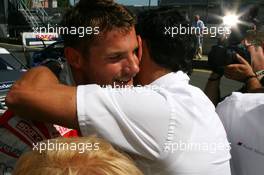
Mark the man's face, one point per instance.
(196, 18)
(113, 59)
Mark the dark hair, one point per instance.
(174, 53)
(104, 14)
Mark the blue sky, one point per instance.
(137, 2)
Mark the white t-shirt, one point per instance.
(169, 127)
(200, 25)
(243, 119)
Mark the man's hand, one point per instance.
(39, 96)
(239, 72)
(257, 58)
(243, 72)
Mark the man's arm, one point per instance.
(243, 72)
(257, 56)
(212, 88)
(39, 96)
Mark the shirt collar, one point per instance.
(172, 78)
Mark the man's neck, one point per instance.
(149, 70)
(150, 74)
(78, 78)
(157, 74)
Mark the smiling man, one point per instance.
(107, 57)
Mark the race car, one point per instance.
(18, 135)
(11, 68)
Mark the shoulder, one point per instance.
(234, 99)
(240, 102)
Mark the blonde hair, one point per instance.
(102, 160)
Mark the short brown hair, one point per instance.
(104, 161)
(105, 14)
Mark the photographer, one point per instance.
(234, 56)
(242, 113)
(252, 75)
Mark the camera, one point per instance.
(220, 56)
(224, 53)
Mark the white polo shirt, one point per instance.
(243, 119)
(169, 127)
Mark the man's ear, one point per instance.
(139, 54)
(73, 56)
(145, 48)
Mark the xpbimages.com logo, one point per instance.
(187, 30)
(80, 31)
(55, 146)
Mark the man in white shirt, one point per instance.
(198, 24)
(242, 116)
(242, 113)
(169, 127)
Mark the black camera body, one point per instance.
(221, 55)
(224, 53)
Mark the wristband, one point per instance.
(250, 77)
(259, 73)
